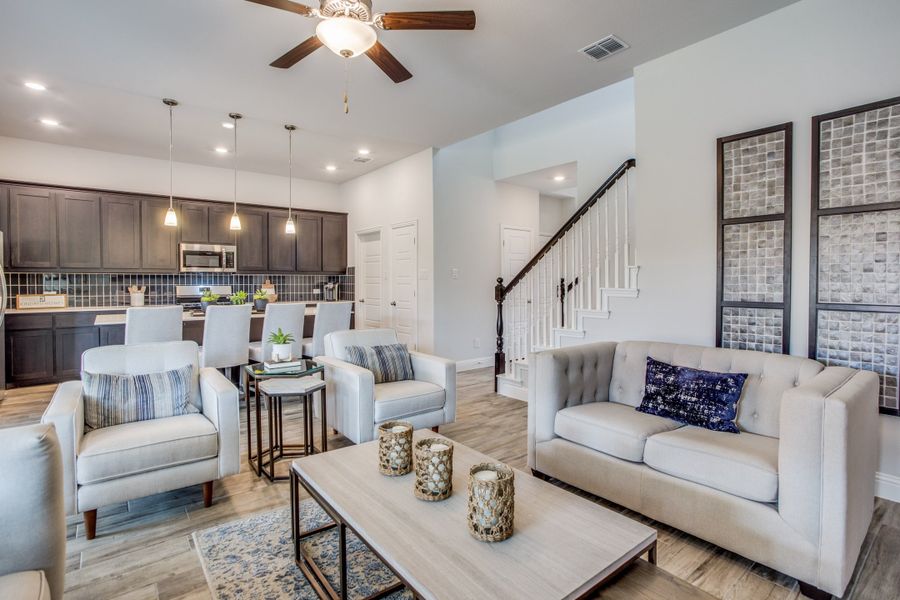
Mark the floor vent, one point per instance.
(606, 47)
(362, 159)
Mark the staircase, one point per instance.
(568, 282)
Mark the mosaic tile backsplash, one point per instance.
(859, 158)
(859, 258)
(862, 340)
(753, 170)
(759, 329)
(754, 262)
(111, 289)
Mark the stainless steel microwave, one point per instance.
(208, 258)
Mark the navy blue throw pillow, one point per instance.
(691, 396)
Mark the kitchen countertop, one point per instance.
(122, 309)
(119, 319)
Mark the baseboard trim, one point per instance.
(887, 486)
(511, 389)
(471, 364)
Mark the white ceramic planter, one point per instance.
(281, 352)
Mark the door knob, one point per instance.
(362, 300)
(394, 303)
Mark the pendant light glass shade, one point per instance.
(235, 224)
(289, 227)
(346, 36)
(171, 219)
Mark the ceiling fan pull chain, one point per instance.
(346, 86)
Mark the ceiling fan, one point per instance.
(348, 28)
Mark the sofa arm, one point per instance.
(66, 413)
(32, 515)
(442, 373)
(827, 458)
(219, 398)
(350, 394)
(565, 377)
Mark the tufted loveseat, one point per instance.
(794, 490)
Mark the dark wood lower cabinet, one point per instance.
(29, 356)
(69, 344)
(112, 335)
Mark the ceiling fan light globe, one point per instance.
(346, 36)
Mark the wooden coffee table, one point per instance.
(564, 546)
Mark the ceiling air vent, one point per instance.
(362, 159)
(605, 47)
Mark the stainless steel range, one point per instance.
(188, 296)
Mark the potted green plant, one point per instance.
(239, 297)
(208, 298)
(281, 345)
(260, 299)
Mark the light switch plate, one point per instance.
(454, 273)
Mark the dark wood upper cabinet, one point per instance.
(252, 240)
(32, 228)
(194, 222)
(220, 223)
(282, 246)
(334, 243)
(309, 242)
(78, 220)
(4, 222)
(158, 242)
(120, 221)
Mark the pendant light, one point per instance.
(171, 219)
(289, 227)
(235, 219)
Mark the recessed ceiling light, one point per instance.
(364, 151)
(330, 168)
(50, 122)
(559, 178)
(228, 125)
(34, 85)
(222, 150)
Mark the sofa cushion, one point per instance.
(25, 585)
(614, 429)
(769, 376)
(744, 465)
(400, 399)
(142, 446)
(692, 396)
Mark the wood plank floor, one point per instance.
(144, 549)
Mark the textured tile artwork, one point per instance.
(111, 289)
(753, 262)
(859, 258)
(862, 340)
(758, 329)
(860, 158)
(753, 170)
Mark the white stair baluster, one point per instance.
(606, 242)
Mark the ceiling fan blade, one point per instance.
(287, 5)
(297, 53)
(439, 19)
(388, 63)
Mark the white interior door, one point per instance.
(404, 283)
(516, 251)
(371, 306)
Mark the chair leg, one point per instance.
(90, 524)
(207, 494)
(813, 592)
(435, 429)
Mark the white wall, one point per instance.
(397, 193)
(554, 212)
(809, 58)
(38, 162)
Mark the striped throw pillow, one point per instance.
(116, 399)
(388, 363)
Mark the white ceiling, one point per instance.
(543, 180)
(107, 63)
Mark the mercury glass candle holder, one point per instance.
(395, 448)
(434, 469)
(491, 505)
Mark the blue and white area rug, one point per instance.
(253, 558)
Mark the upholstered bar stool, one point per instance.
(225, 335)
(273, 392)
(147, 325)
(330, 317)
(288, 316)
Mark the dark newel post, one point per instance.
(562, 301)
(499, 356)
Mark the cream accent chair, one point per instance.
(32, 517)
(793, 491)
(133, 460)
(356, 406)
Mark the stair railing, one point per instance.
(590, 251)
